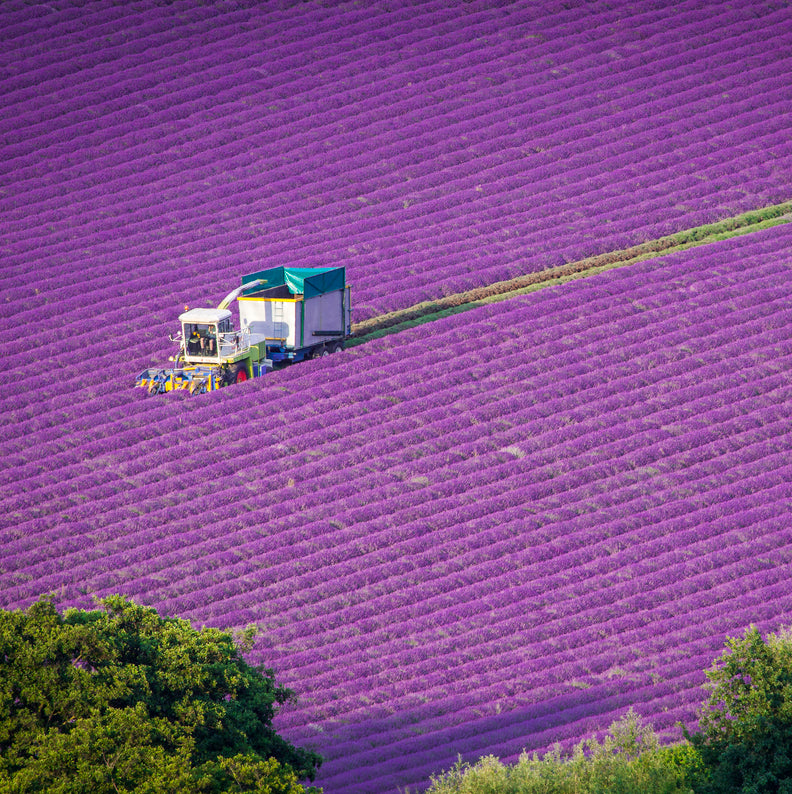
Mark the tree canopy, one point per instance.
(745, 726)
(122, 700)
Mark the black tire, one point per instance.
(236, 374)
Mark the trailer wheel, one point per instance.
(336, 347)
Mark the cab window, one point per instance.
(201, 339)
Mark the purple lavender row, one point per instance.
(764, 87)
(406, 732)
(499, 739)
(517, 681)
(311, 45)
(668, 674)
(698, 676)
(724, 464)
(730, 398)
(497, 666)
(587, 636)
(462, 722)
(225, 28)
(439, 600)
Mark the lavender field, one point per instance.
(152, 152)
(560, 508)
(484, 534)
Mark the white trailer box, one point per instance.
(271, 319)
(298, 310)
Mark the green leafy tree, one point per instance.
(745, 727)
(122, 700)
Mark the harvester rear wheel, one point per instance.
(237, 373)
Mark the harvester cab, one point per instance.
(206, 336)
(211, 354)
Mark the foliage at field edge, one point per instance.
(746, 724)
(629, 760)
(741, 747)
(121, 700)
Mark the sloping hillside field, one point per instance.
(482, 534)
(150, 153)
(486, 533)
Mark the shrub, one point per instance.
(628, 761)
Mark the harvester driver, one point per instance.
(194, 343)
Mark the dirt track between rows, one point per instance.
(742, 224)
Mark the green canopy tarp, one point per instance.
(307, 281)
